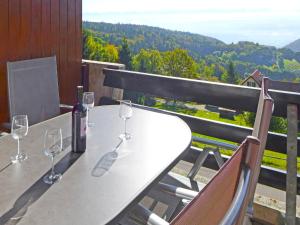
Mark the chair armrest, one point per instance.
(3, 134)
(216, 143)
(64, 106)
(142, 215)
(177, 191)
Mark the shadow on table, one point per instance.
(15, 214)
(104, 164)
(106, 161)
(66, 143)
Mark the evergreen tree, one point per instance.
(85, 48)
(125, 54)
(231, 75)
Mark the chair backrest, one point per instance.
(217, 202)
(261, 126)
(33, 89)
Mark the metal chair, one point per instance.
(33, 89)
(260, 130)
(223, 200)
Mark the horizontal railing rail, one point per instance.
(219, 94)
(230, 132)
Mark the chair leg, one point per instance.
(218, 157)
(198, 164)
(178, 209)
(155, 202)
(142, 215)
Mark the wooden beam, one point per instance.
(230, 96)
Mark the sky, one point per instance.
(268, 22)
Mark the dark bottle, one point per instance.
(79, 114)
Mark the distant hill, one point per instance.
(294, 46)
(247, 56)
(141, 36)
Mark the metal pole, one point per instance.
(291, 180)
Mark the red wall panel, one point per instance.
(41, 28)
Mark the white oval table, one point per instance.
(96, 188)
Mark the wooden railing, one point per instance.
(235, 97)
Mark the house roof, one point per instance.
(274, 84)
(256, 76)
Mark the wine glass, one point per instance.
(52, 147)
(88, 102)
(125, 112)
(19, 129)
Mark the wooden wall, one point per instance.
(40, 28)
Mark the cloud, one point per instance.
(188, 5)
(268, 21)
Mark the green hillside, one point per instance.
(141, 36)
(279, 64)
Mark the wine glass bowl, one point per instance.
(19, 129)
(88, 101)
(52, 147)
(125, 113)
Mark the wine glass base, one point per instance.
(125, 136)
(90, 124)
(51, 179)
(18, 158)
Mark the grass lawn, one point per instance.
(271, 158)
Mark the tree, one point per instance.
(208, 72)
(148, 61)
(125, 54)
(85, 49)
(96, 49)
(231, 75)
(277, 124)
(178, 63)
(111, 53)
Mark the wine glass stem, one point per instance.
(52, 169)
(87, 117)
(125, 127)
(18, 146)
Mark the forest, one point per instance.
(210, 55)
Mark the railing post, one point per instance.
(95, 77)
(291, 181)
